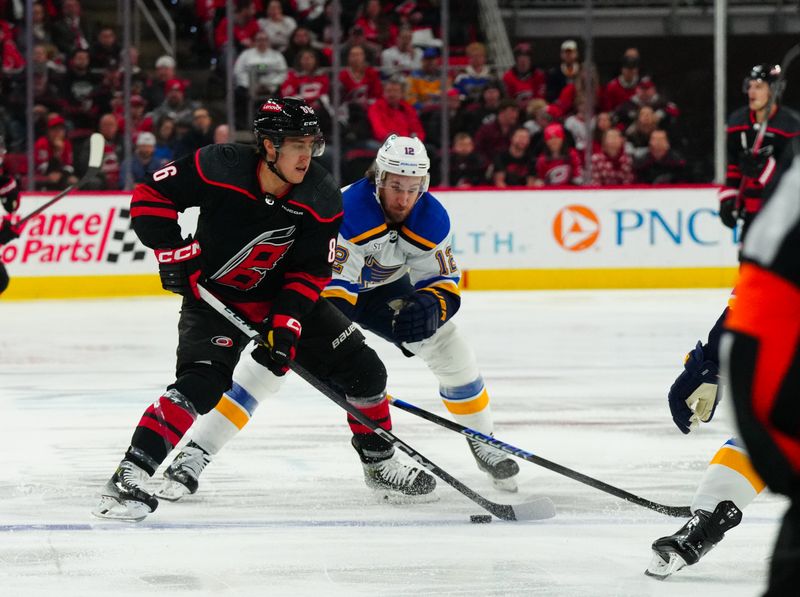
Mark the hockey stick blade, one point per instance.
(96, 147)
(537, 509)
(676, 511)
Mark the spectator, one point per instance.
(478, 114)
(539, 116)
(11, 60)
(222, 134)
(70, 32)
(245, 28)
(558, 164)
(139, 121)
(199, 135)
(175, 103)
(392, 114)
(155, 89)
(493, 138)
(612, 166)
(514, 166)
(622, 88)
(41, 27)
(565, 73)
(372, 51)
(303, 39)
(259, 72)
(105, 51)
(112, 150)
(42, 62)
(638, 133)
(401, 58)
(279, 27)
(425, 85)
(361, 83)
(575, 125)
(666, 113)
(661, 164)
(577, 92)
(144, 161)
(53, 157)
(602, 123)
(477, 75)
(432, 120)
(524, 81)
(466, 167)
(376, 27)
(165, 138)
(310, 83)
(78, 91)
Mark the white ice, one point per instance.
(579, 378)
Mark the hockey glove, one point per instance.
(752, 163)
(418, 318)
(179, 268)
(9, 193)
(727, 212)
(282, 337)
(695, 394)
(8, 232)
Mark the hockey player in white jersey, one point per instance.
(396, 276)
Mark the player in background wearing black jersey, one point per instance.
(730, 482)
(9, 198)
(265, 244)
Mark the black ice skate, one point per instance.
(501, 469)
(124, 496)
(392, 479)
(182, 476)
(694, 540)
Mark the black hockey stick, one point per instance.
(677, 511)
(537, 509)
(774, 97)
(96, 147)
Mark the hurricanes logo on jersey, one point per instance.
(576, 227)
(249, 266)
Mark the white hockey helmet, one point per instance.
(405, 156)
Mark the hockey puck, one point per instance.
(480, 518)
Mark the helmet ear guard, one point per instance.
(405, 156)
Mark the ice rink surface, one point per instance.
(579, 378)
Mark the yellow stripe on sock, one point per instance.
(740, 463)
(232, 411)
(468, 407)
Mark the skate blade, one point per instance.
(172, 491)
(508, 485)
(112, 508)
(661, 568)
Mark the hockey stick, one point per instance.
(96, 146)
(537, 509)
(778, 89)
(677, 511)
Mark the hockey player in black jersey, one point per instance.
(730, 482)
(265, 244)
(9, 198)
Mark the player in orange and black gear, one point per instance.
(761, 360)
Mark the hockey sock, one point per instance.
(730, 476)
(160, 429)
(469, 405)
(376, 409)
(231, 414)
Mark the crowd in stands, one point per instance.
(520, 127)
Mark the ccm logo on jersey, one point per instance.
(223, 341)
(179, 254)
(344, 335)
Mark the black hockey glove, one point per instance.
(694, 396)
(418, 318)
(727, 212)
(9, 193)
(752, 164)
(8, 232)
(282, 337)
(179, 268)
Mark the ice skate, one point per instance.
(395, 481)
(694, 540)
(501, 469)
(182, 476)
(124, 496)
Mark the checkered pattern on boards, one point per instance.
(123, 242)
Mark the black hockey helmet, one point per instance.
(278, 118)
(769, 73)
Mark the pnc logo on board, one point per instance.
(576, 227)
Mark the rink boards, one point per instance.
(640, 237)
